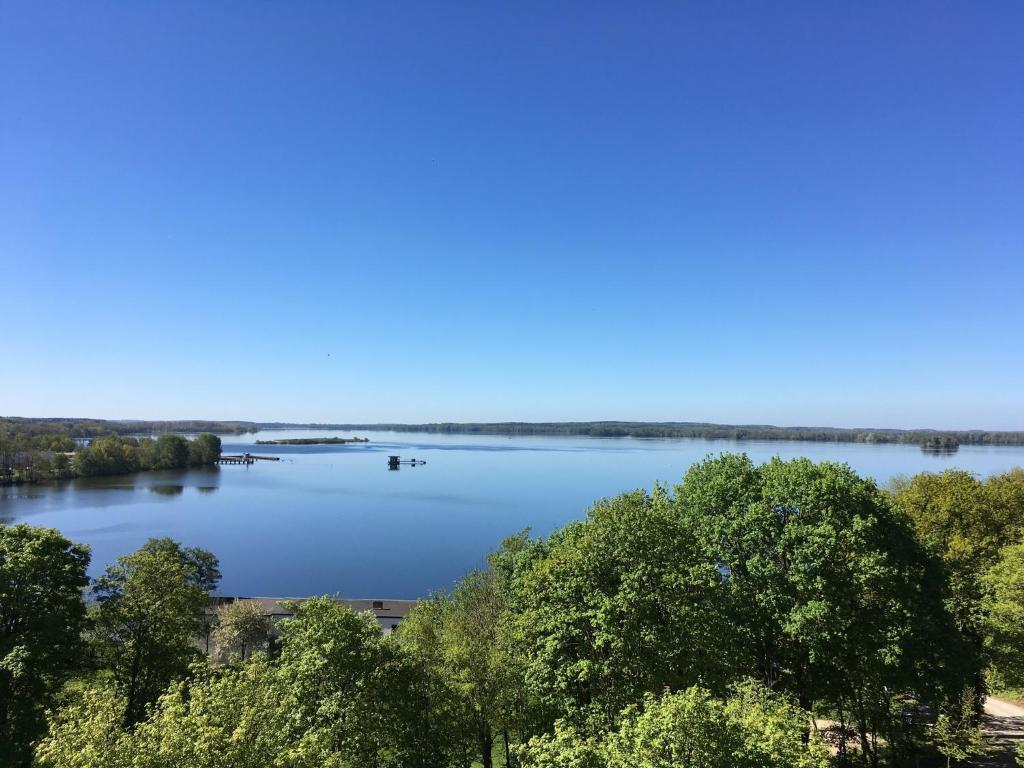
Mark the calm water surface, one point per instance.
(333, 519)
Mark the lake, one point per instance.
(334, 519)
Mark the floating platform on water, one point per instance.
(395, 461)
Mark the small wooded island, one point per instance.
(940, 444)
(315, 441)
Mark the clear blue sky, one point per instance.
(789, 213)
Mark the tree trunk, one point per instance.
(486, 747)
(843, 757)
(508, 754)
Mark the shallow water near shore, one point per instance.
(334, 519)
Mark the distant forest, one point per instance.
(927, 438)
(82, 428)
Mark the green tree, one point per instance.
(354, 697)
(113, 455)
(87, 732)
(564, 747)
(617, 606)
(201, 566)
(966, 522)
(60, 466)
(241, 628)
(340, 695)
(751, 728)
(205, 449)
(232, 718)
(833, 599)
(458, 636)
(42, 616)
(166, 452)
(148, 615)
(1004, 612)
(957, 731)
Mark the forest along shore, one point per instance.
(30, 458)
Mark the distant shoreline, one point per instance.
(929, 439)
(315, 441)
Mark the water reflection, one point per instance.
(930, 451)
(167, 490)
(104, 483)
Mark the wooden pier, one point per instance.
(245, 458)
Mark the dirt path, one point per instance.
(1004, 726)
(1000, 708)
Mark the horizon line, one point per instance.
(383, 425)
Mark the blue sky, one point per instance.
(790, 213)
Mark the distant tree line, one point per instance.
(35, 458)
(939, 439)
(932, 438)
(80, 428)
(785, 615)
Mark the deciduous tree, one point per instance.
(205, 449)
(354, 697)
(619, 605)
(834, 598)
(458, 636)
(148, 615)
(750, 728)
(1004, 612)
(42, 617)
(966, 522)
(241, 628)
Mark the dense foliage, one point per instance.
(339, 694)
(745, 617)
(829, 592)
(81, 428)
(750, 728)
(618, 606)
(26, 458)
(149, 611)
(1004, 617)
(42, 618)
(974, 526)
(241, 628)
(459, 637)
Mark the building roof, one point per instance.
(277, 607)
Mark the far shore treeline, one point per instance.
(929, 438)
(787, 615)
(932, 439)
(79, 428)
